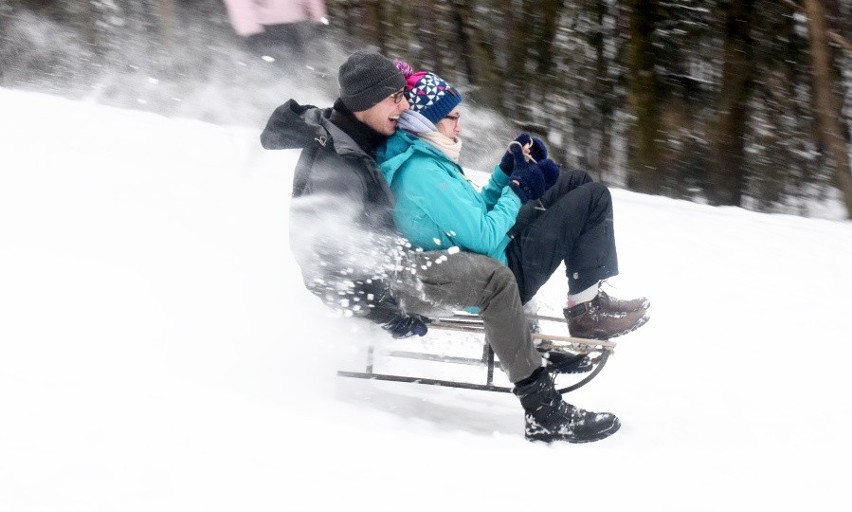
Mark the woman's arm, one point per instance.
(457, 210)
(493, 190)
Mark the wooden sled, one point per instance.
(598, 350)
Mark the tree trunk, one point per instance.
(645, 174)
(374, 24)
(516, 67)
(427, 35)
(601, 160)
(827, 102)
(90, 31)
(550, 13)
(479, 62)
(729, 128)
(166, 22)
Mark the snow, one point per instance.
(159, 353)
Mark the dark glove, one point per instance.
(527, 180)
(404, 326)
(550, 170)
(538, 152)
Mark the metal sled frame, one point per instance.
(474, 325)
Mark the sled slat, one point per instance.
(419, 380)
(441, 324)
(437, 357)
(462, 322)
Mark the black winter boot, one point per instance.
(559, 361)
(549, 418)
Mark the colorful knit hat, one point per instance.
(428, 94)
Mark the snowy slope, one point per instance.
(158, 352)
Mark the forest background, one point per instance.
(726, 102)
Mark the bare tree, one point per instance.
(730, 126)
(645, 173)
(479, 62)
(827, 102)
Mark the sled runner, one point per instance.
(597, 350)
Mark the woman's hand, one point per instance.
(533, 149)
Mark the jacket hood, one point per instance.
(294, 126)
(400, 148)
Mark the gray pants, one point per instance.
(437, 282)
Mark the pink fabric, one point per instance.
(249, 16)
(412, 79)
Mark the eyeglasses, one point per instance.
(398, 95)
(454, 119)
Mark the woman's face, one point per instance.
(449, 125)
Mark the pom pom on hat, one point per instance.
(427, 93)
(404, 67)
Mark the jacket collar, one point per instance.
(365, 137)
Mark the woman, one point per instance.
(530, 216)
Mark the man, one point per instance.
(350, 253)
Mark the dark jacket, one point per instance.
(341, 215)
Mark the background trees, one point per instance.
(730, 102)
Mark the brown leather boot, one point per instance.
(614, 305)
(592, 320)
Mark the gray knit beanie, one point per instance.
(367, 78)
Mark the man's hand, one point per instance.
(404, 326)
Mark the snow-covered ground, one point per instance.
(159, 353)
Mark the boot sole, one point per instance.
(601, 335)
(640, 323)
(551, 438)
(584, 366)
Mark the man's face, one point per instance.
(383, 116)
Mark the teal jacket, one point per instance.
(438, 208)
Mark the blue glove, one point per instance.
(538, 152)
(550, 170)
(527, 179)
(404, 326)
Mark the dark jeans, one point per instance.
(575, 226)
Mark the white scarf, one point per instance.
(448, 146)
